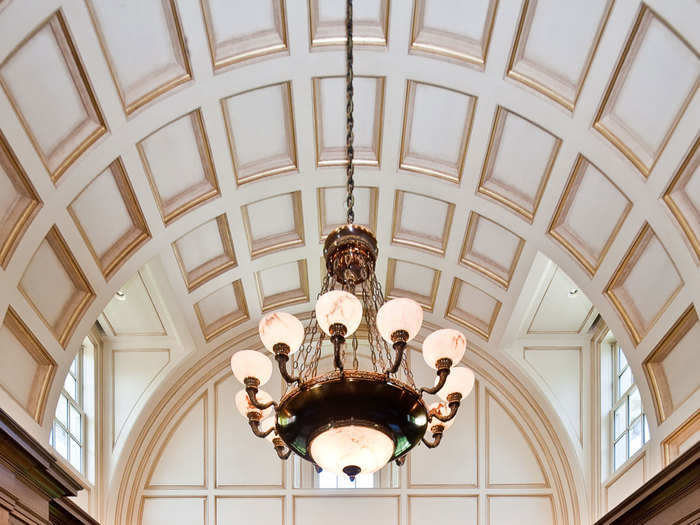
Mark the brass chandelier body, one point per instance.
(351, 420)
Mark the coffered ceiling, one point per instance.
(209, 135)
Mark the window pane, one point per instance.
(364, 481)
(624, 382)
(647, 434)
(620, 419)
(620, 451)
(74, 366)
(345, 483)
(62, 410)
(61, 440)
(71, 386)
(621, 361)
(327, 480)
(635, 404)
(75, 454)
(74, 426)
(636, 436)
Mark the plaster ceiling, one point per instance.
(208, 135)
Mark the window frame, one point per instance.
(619, 399)
(78, 405)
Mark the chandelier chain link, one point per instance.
(349, 120)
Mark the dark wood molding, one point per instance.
(64, 512)
(672, 497)
(31, 462)
(34, 487)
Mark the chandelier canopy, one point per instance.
(352, 419)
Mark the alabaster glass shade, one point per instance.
(445, 343)
(244, 405)
(399, 314)
(249, 363)
(352, 445)
(341, 307)
(281, 327)
(460, 380)
(441, 408)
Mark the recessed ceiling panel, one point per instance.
(273, 224)
(109, 218)
(205, 252)
(332, 213)
(19, 202)
(671, 378)
(283, 285)
(644, 284)
(132, 311)
(683, 198)
(589, 215)
(555, 45)
(221, 310)
(54, 268)
(453, 29)
(415, 281)
(62, 121)
(421, 222)
(261, 132)
(436, 126)
(518, 163)
(329, 119)
(144, 46)
(473, 308)
(179, 166)
(240, 30)
(327, 22)
(491, 249)
(563, 308)
(641, 107)
(26, 368)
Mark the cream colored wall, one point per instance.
(193, 458)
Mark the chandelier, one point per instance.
(351, 420)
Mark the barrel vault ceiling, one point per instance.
(208, 136)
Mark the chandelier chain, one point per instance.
(349, 120)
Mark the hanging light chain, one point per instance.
(349, 120)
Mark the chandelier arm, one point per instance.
(252, 396)
(437, 437)
(400, 348)
(282, 360)
(442, 374)
(454, 407)
(255, 427)
(283, 455)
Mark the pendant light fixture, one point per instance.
(351, 420)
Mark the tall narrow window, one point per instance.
(68, 432)
(630, 430)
